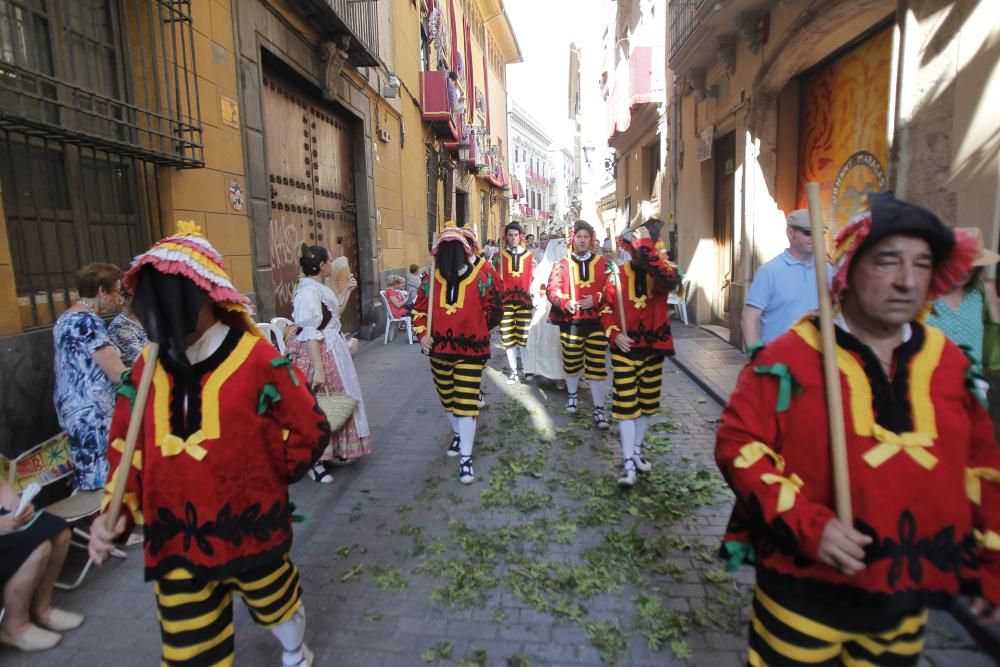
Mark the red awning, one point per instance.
(515, 188)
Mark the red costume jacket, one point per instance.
(515, 273)
(211, 485)
(924, 472)
(464, 313)
(589, 278)
(646, 282)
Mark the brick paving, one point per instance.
(388, 550)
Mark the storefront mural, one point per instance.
(843, 131)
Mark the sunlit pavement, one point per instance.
(542, 561)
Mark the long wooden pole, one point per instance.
(431, 286)
(569, 266)
(831, 374)
(621, 299)
(132, 435)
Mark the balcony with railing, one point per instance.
(355, 18)
(682, 21)
(117, 77)
(695, 28)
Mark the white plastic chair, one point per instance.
(389, 320)
(279, 325)
(270, 334)
(679, 301)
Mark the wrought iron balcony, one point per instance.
(683, 19)
(355, 18)
(118, 77)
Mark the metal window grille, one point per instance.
(484, 214)
(432, 204)
(112, 75)
(93, 95)
(449, 191)
(68, 205)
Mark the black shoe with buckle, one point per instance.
(320, 473)
(600, 419)
(465, 473)
(571, 403)
(454, 449)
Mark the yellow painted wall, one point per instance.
(10, 321)
(202, 195)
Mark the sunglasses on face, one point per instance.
(807, 232)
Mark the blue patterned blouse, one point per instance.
(84, 395)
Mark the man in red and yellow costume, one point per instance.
(639, 344)
(515, 265)
(228, 425)
(923, 463)
(466, 305)
(576, 290)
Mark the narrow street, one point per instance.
(542, 561)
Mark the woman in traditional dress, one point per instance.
(543, 355)
(321, 352)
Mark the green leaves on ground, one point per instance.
(440, 651)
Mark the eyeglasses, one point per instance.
(800, 230)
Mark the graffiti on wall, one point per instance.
(843, 142)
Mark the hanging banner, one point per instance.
(843, 139)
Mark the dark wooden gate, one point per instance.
(310, 162)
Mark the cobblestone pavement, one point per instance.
(542, 561)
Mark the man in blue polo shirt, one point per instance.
(784, 289)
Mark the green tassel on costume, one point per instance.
(755, 348)
(738, 553)
(786, 384)
(972, 373)
(126, 387)
(484, 283)
(278, 362)
(268, 395)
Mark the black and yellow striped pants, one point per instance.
(457, 382)
(782, 637)
(514, 325)
(637, 381)
(196, 617)
(584, 352)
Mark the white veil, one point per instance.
(554, 251)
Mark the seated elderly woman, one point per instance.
(33, 547)
(397, 296)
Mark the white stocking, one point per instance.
(467, 433)
(640, 432)
(512, 357)
(598, 391)
(290, 634)
(627, 429)
(572, 383)
(453, 420)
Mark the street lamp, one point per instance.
(463, 151)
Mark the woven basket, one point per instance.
(337, 407)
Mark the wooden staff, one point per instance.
(430, 296)
(621, 299)
(569, 265)
(831, 374)
(131, 436)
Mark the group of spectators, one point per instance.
(784, 289)
(91, 359)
